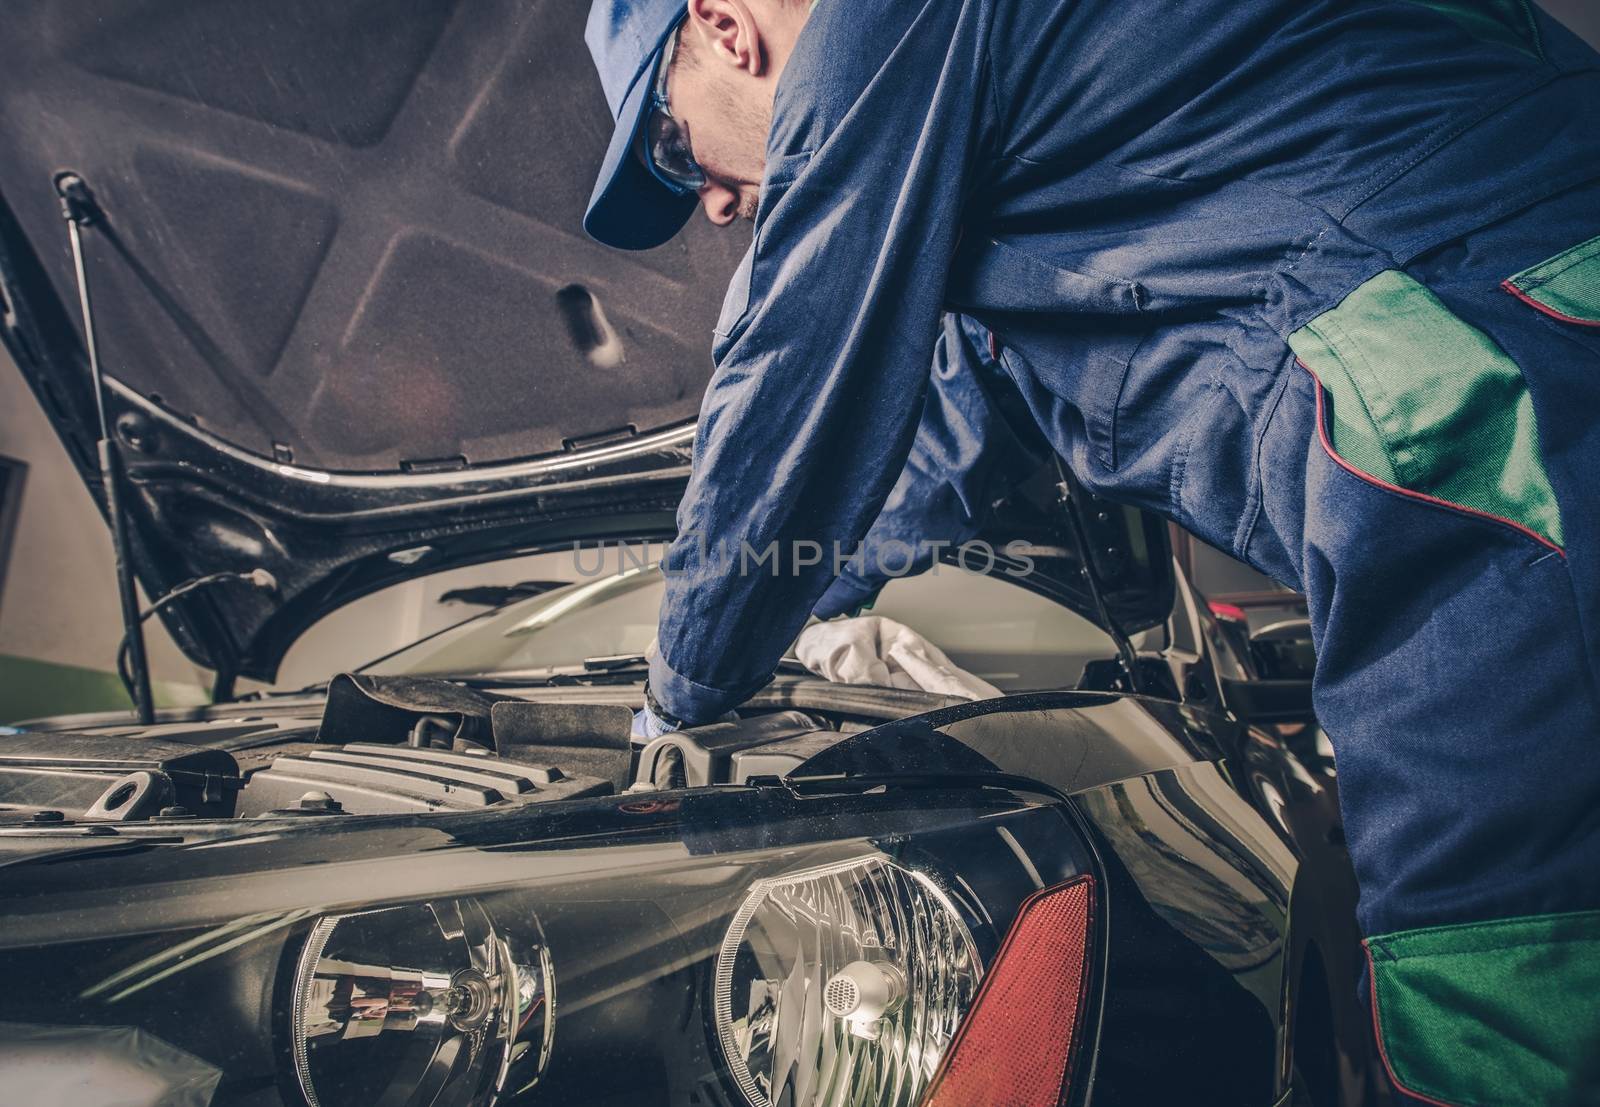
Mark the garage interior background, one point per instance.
(59, 623)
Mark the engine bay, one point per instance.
(413, 746)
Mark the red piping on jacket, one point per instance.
(1377, 1032)
(1377, 482)
(1546, 308)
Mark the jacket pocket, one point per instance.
(1565, 287)
(1427, 405)
(1490, 1012)
(1078, 329)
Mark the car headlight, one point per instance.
(842, 985)
(420, 1004)
(729, 948)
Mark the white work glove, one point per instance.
(648, 725)
(871, 649)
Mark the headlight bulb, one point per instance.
(421, 1004)
(842, 986)
(863, 992)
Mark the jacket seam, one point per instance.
(1545, 309)
(1450, 928)
(1258, 497)
(1135, 289)
(1110, 456)
(1533, 29)
(1441, 137)
(748, 689)
(998, 105)
(1180, 466)
(1391, 957)
(1405, 252)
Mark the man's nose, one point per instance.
(720, 202)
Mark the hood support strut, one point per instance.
(79, 210)
(1067, 489)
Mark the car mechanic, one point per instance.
(1317, 279)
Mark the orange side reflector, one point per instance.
(1014, 1049)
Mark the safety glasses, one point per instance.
(666, 140)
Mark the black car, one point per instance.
(350, 335)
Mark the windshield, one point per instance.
(1012, 637)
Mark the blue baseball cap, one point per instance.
(630, 208)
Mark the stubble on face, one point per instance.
(739, 161)
(751, 122)
(729, 119)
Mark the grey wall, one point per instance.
(1583, 16)
(59, 621)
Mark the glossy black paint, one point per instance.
(1212, 847)
(1227, 888)
(617, 934)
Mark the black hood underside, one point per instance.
(344, 303)
(347, 236)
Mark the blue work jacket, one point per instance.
(1118, 210)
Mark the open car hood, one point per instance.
(352, 329)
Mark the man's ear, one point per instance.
(728, 33)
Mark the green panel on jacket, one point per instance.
(1566, 286)
(1492, 1013)
(1508, 22)
(1427, 402)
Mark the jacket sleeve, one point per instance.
(823, 350)
(962, 448)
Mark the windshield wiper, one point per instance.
(614, 661)
(603, 665)
(562, 674)
(804, 784)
